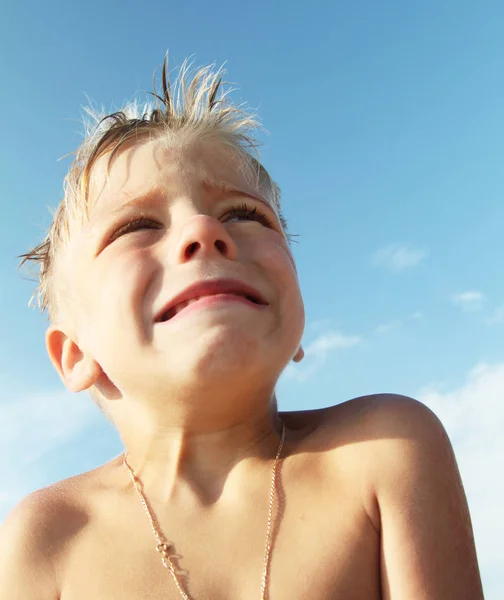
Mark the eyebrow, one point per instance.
(230, 190)
(223, 187)
(152, 197)
(156, 196)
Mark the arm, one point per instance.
(427, 545)
(26, 570)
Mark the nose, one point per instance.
(202, 237)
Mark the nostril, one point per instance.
(221, 246)
(192, 249)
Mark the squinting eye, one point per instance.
(134, 225)
(244, 213)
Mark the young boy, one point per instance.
(173, 298)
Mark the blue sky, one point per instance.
(386, 134)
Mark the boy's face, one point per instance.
(167, 218)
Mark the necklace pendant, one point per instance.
(163, 548)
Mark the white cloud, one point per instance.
(32, 426)
(329, 341)
(316, 353)
(473, 415)
(497, 317)
(319, 324)
(398, 257)
(386, 327)
(417, 315)
(469, 301)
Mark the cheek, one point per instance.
(114, 291)
(278, 263)
(277, 260)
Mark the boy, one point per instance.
(173, 298)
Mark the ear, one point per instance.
(77, 369)
(298, 357)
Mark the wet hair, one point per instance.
(196, 107)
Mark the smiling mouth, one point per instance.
(210, 299)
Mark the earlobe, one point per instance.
(298, 357)
(77, 369)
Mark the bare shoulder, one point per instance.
(400, 453)
(380, 418)
(28, 545)
(381, 414)
(395, 429)
(37, 532)
(388, 436)
(53, 513)
(372, 440)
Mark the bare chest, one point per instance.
(322, 546)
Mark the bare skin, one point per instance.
(342, 531)
(370, 500)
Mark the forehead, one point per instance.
(162, 166)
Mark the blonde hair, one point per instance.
(197, 105)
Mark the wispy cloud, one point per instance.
(319, 325)
(329, 341)
(469, 301)
(473, 415)
(399, 257)
(317, 351)
(497, 317)
(417, 315)
(32, 426)
(386, 327)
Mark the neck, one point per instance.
(189, 459)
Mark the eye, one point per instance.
(245, 213)
(137, 224)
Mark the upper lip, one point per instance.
(210, 288)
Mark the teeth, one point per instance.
(182, 305)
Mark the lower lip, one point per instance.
(215, 300)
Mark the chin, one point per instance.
(229, 356)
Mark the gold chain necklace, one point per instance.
(163, 547)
